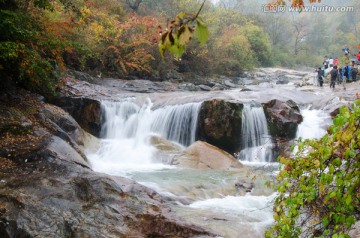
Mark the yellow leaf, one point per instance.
(179, 18)
(184, 35)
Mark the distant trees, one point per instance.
(300, 34)
(40, 39)
(133, 4)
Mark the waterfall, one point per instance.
(127, 129)
(256, 141)
(314, 124)
(127, 120)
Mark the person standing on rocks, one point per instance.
(334, 75)
(326, 62)
(339, 79)
(346, 72)
(321, 75)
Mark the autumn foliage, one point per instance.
(41, 39)
(319, 189)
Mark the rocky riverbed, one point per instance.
(47, 186)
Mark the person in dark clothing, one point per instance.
(334, 75)
(339, 78)
(321, 75)
(346, 73)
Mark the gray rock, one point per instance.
(283, 118)
(86, 111)
(219, 124)
(282, 80)
(229, 84)
(204, 87)
(246, 185)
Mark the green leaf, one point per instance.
(325, 221)
(348, 199)
(201, 32)
(350, 221)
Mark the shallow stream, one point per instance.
(207, 198)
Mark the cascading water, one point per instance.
(314, 124)
(126, 151)
(127, 120)
(127, 130)
(256, 141)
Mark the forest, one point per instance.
(41, 39)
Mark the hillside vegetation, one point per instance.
(40, 39)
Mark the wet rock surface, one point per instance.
(201, 155)
(50, 198)
(47, 188)
(219, 124)
(245, 185)
(86, 111)
(283, 118)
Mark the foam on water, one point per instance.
(127, 130)
(314, 124)
(252, 209)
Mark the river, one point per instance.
(208, 198)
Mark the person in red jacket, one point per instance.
(336, 61)
(358, 56)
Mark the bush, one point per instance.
(319, 188)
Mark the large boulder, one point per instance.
(86, 111)
(283, 118)
(201, 155)
(166, 150)
(219, 124)
(54, 198)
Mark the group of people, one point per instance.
(339, 75)
(330, 62)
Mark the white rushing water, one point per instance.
(255, 210)
(207, 198)
(126, 151)
(127, 120)
(314, 124)
(256, 141)
(127, 130)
